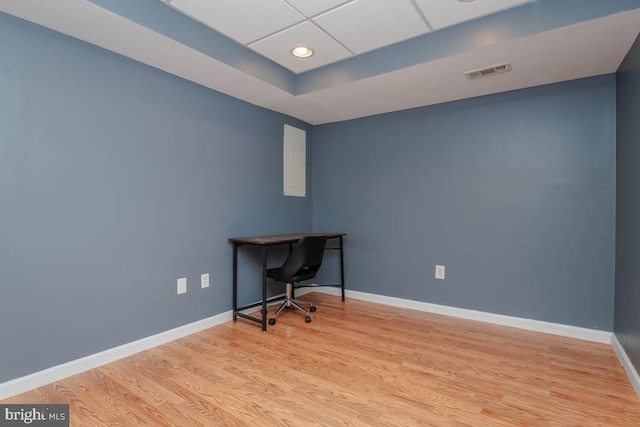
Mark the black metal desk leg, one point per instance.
(264, 288)
(341, 269)
(293, 289)
(235, 282)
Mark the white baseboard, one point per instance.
(634, 378)
(56, 373)
(498, 319)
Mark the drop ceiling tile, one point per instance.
(314, 7)
(442, 14)
(278, 48)
(365, 25)
(241, 20)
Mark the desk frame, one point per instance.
(265, 242)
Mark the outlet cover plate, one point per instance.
(182, 286)
(204, 280)
(440, 272)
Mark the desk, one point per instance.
(265, 242)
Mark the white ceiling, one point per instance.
(334, 29)
(588, 48)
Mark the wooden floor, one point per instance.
(356, 364)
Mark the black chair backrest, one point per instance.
(305, 259)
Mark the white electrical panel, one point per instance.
(295, 161)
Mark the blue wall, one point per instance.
(514, 193)
(115, 180)
(627, 295)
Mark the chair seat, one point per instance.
(304, 274)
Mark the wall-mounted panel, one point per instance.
(295, 161)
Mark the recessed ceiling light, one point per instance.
(302, 52)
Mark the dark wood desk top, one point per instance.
(279, 238)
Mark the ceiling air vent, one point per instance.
(489, 71)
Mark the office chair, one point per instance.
(302, 263)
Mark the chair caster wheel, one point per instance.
(307, 319)
(312, 309)
(272, 321)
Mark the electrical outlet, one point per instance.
(182, 285)
(440, 272)
(204, 280)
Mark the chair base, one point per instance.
(290, 302)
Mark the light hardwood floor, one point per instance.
(356, 364)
